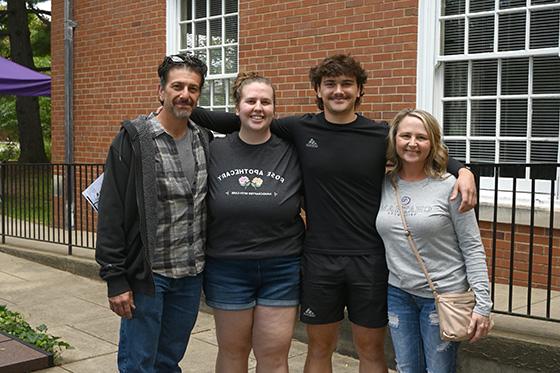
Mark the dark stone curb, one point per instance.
(17, 356)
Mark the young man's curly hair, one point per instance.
(337, 65)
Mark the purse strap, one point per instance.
(408, 234)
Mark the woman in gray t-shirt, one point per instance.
(448, 241)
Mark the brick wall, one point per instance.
(117, 47)
(521, 239)
(284, 39)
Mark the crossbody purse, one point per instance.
(454, 309)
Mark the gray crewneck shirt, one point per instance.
(448, 241)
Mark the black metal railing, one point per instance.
(516, 215)
(43, 202)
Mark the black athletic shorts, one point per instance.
(331, 283)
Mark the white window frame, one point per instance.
(173, 31)
(429, 89)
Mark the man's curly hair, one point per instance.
(337, 65)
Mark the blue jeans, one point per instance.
(414, 326)
(156, 337)
(240, 284)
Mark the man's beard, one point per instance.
(181, 114)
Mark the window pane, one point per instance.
(514, 76)
(231, 101)
(201, 53)
(187, 37)
(200, 8)
(456, 74)
(231, 59)
(215, 7)
(454, 39)
(538, 2)
(451, 7)
(231, 30)
(481, 35)
(212, 35)
(215, 60)
(457, 149)
(513, 151)
(186, 10)
(513, 118)
(546, 117)
(204, 99)
(483, 118)
(482, 151)
(481, 5)
(484, 78)
(544, 151)
(546, 74)
(231, 6)
(215, 31)
(455, 118)
(511, 33)
(506, 4)
(200, 34)
(544, 28)
(219, 93)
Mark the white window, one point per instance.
(495, 77)
(209, 30)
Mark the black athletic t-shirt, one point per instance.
(343, 167)
(254, 198)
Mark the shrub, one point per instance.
(14, 324)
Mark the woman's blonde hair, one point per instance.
(436, 162)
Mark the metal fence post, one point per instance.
(69, 204)
(2, 201)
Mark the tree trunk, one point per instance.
(32, 147)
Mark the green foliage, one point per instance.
(9, 124)
(14, 324)
(40, 34)
(9, 151)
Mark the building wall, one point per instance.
(117, 47)
(522, 254)
(284, 39)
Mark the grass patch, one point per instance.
(28, 194)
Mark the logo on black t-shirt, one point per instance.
(255, 182)
(312, 143)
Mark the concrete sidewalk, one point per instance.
(76, 309)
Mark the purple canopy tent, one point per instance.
(18, 80)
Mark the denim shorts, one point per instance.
(240, 284)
